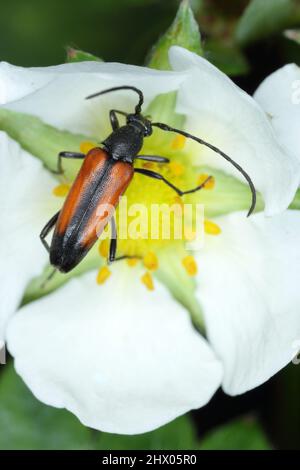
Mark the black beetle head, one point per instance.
(141, 123)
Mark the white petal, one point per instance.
(121, 358)
(249, 289)
(279, 96)
(58, 93)
(25, 206)
(224, 115)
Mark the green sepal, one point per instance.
(229, 195)
(295, 204)
(76, 55)
(182, 286)
(184, 32)
(42, 140)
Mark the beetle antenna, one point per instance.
(165, 127)
(138, 107)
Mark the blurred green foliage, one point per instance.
(35, 32)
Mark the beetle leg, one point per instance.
(153, 174)
(153, 158)
(49, 225)
(113, 118)
(113, 245)
(76, 155)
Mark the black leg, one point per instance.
(113, 245)
(113, 118)
(152, 158)
(47, 229)
(153, 174)
(76, 155)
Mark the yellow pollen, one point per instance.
(179, 142)
(103, 275)
(61, 190)
(147, 281)
(86, 146)
(150, 261)
(190, 265)
(148, 165)
(176, 168)
(132, 262)
(210, 183)
(211, 228)
(103, 248)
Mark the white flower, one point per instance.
(279, 96)
(119, 357)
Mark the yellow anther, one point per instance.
(132, 262)
(210, 183)
(211, 228)
(147, 281)
(150, 261)
(190, 265)
(148, 165)
(86, 146)
(103, 248)
(103, 275)
(178, 200)
(179, 142)
(61, 190)
(176, 168)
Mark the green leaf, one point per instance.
(26, 423)
(184, 32)
(40, 139)
(179, 434)
(242, 434)
(228, 58)
(263, 18)
(76, 55)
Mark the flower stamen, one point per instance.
(210, 183)
(103, 248)
(179, 142)
(190, 265)
(147, 280)
(103, 274)
(150, 261)
(61, 190)
(211, 228)
(86, 146)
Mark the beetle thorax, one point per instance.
(124, 143)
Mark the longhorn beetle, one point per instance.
(104, 176)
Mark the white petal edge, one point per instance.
(279, 96)
(224, 115)
(121, 358)
(248, 287)
(25, 207)
(57, 94)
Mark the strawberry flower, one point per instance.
(152, 339)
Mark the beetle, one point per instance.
(104, 176)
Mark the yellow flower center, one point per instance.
(152, 216)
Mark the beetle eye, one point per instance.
(148, 129)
